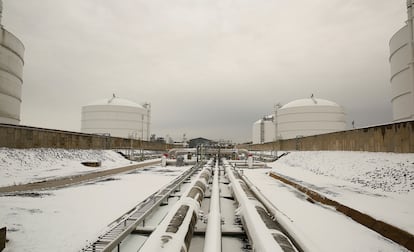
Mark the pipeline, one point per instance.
(264, 234)
(213, 232)
(175, 232)
(295, 234)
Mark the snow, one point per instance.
(373, 183)
(66, 219)
(69, 218)
(376, 171)
(19, 166)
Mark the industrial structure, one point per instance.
(299, 118)
(117, 117)
(264, 129)
(402, 69)
(11, 75)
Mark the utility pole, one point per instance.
(1, 10)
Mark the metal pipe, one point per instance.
(262, 239)
(213, 232)
(295, 234)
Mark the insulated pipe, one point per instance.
(177, 151)
(262, 239)
(175, 232)
(213, 232)
(250, 161)
(296, 234)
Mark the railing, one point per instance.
(128, 222)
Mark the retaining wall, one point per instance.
(394, 137)
(14, 136)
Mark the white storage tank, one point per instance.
(402, 72)
(11, 76)
(311, 116)
(264, 130)
(117, 117)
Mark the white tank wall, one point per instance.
(11, 77)
(117, 120)
(310, 120)
(256, 132)
(402, 83)
(269, 131)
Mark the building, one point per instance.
(193, 143)
(117, 117)
(299, 118)
(402, 69)
(11, 75)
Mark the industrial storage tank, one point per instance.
(264, 130)
(311, 116)
(117, 117)
(11, 75)
(402, 70)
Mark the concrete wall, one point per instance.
(395, 137)
(13, 136)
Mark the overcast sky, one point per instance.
(209, 68)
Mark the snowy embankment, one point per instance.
(19, 166)
(378, 184)
(376, 171)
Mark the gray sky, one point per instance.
(209, 67)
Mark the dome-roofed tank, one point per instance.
(117, 117)
(11, 75)
(310, 116)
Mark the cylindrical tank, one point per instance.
(402, 73)
(117, 117)
(311, 116)
(264, 130)
(256, 134)
(11, 76)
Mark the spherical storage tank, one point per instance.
(11, 76)
(117, 117)
(311, 116)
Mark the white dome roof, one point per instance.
(308, 102)
(115, 101)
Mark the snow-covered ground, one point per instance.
(378, 184)
(67, 219)
(19, 166)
